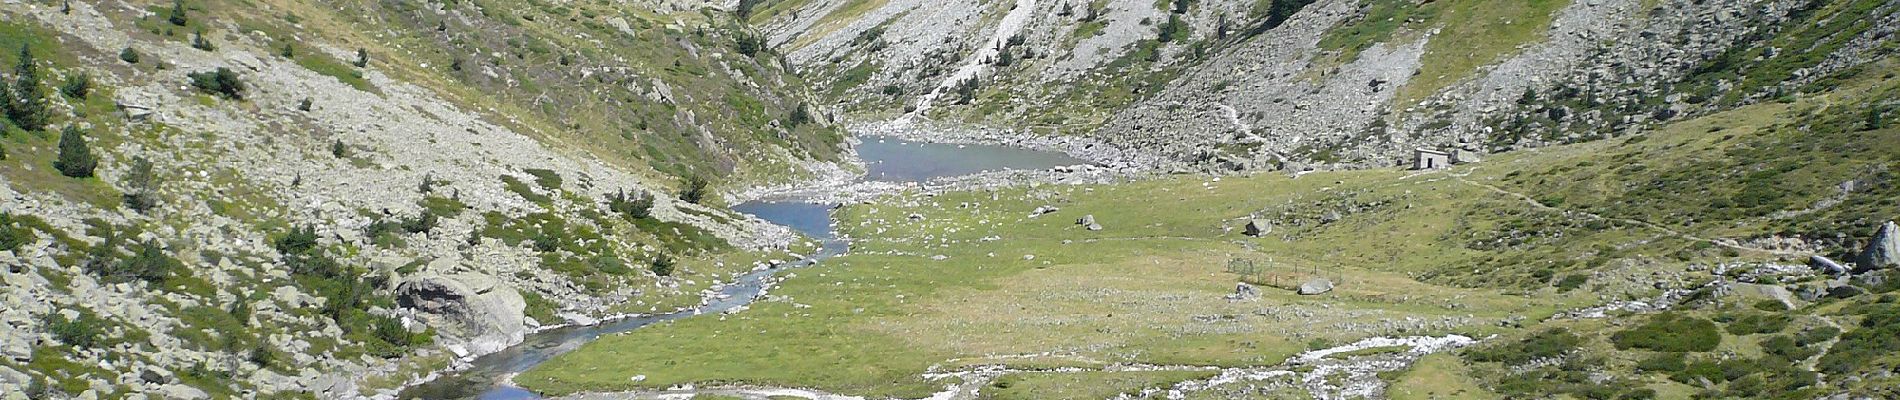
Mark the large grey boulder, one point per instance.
(14, 345)
(1883, 251)
(1259, 227)
(1463, 156)
(1840, 289)
(1244, 291)
(1088, 221)
(16, 378)
(181, 392)
(1316, 286)
(152, 374)
(1826, 265)
(477, 312)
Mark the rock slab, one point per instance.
(1316, 286)
(478, 310)
(1883, 251)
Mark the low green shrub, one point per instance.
(631, 207)
(13, 236)
(1550, 343)
(86, 331)
(1757, 323)
(223, 82)
(1670, 332)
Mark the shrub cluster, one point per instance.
(86, 331)
(348, 296)
(1671, 332)
(632, 207)
(11, 236)
(223, 82)
(1550, 343)
(148, 262)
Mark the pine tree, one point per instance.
(178, 13)
(632, 206)
(801, 115)
(148, 263)
(662, 265)
(27, 105)
(966, 91)
(77, 86)
(6, 101)
(222, 82)
(199, 42)
(695, 190)
(745, 9)
(749, 44)
(1875, 120)
(141, 183)
(75, 158)
(1221, 26)
(1173, 29)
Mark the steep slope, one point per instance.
(291, 199)
(1299, 83)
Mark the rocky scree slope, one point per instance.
(331, 199)
(1266, 84)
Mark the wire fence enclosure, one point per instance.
(1267, 272)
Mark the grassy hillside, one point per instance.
(1467, 35)
(240, 236)
(668, 91)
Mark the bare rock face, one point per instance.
(478, 311)
(1883, 251)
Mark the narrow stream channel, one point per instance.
(886, 159)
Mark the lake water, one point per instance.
(897, 160)
(886, 159)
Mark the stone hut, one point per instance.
(1424, 159)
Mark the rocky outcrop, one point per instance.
(478, 311)
(1881, 252)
